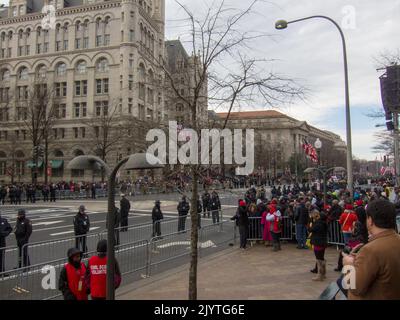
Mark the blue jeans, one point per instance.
(301, 235)
(346, 237)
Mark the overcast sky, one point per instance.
(311, 53)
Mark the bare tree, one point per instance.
(216, 38)
(35, 113)
(106, 130)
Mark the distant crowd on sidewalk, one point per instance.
(367, 222)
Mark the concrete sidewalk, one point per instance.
(233, 274)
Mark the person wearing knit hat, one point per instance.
(242, 221)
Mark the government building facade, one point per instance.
(99, 58)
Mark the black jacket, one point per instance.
(319, 233)
(183, 208)
(5, 230)
(335, 213)
(81, 224)
(215, 204)
(157, 214)
(125, 207)
(241, 217)
(23, 231)
(362, 218)
(206, 198)
(301, 215)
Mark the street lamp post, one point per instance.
(137, 161)
(282, 24)
(324, 172)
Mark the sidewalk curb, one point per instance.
(149, 281)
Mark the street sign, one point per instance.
(49, 171)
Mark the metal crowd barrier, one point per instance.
(256, 229)
(36, 282)
(335, 235)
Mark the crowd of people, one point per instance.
(305, 208)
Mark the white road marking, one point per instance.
(72, 231)
(47, 223)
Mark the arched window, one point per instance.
(58, 154)
(102, 65)
(42, 72)
(28, 32)
(81, 67)
(5, 75)
(78, 153)
(23, 73)
(151, 76)
(142, 72)
(3, 36)
(20, 34)
(19, 154)
(39, 32)
(61, 69)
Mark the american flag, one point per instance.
(310, 151)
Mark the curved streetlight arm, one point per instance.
(110, 231)
(347, 95)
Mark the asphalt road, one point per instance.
(52, 232)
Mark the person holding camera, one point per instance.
(376, 264)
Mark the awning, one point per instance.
(56, 164)
(32, 164)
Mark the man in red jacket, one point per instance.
(72, 277)
(96, 273)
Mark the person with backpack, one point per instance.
(96, 273)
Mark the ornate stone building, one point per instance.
(99, 56)
(278, 141)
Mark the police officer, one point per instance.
(157, 216)
(96, 273)
(81, 228)
(215, 206)
(117, 221)
(125, 207)
(206, 198)
(183, 210)
(23, 231)
(5, 230)
(3, 195)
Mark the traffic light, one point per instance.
(38, 151)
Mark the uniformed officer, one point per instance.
(23, 231)
(5, 230)
(81, 228)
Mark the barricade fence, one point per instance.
(256, 231)
(40, 281)
(42, 251)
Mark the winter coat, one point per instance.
(156, 214)
(319, 233)
(23, 231)
(301, 215)
(335, 213)
(183, 208)
(81, 224)
(347, 220)
(125, 207)
(377, 266)
(215, 204)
